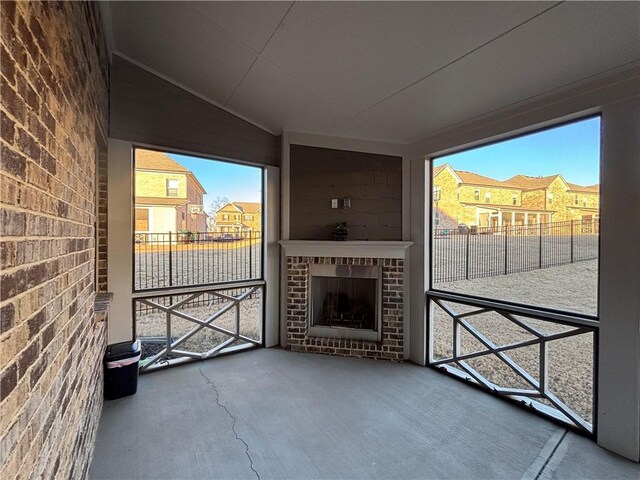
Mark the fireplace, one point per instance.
(344, 298)
(345, 301)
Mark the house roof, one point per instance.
(475, 179)
(532, 183)
(244, 207)
(158, 161)
(163, 201)
(588, 189)
(248, 207)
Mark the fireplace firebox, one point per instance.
(345, 301)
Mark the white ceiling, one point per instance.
(391, 71)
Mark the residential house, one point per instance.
(468, 198)
(168, 195)
(239, 218)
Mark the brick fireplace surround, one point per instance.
(389, 255)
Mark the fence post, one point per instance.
(540, 243)
(250, 256)
(571, 241)
(170, 263)
(504, 231)
(467, 257)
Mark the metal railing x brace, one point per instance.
(458, 366)
(232, 302)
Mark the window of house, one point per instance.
(584, 202)
(575, 201)
(514, 200)
(236, 217)
(249, 218)
(172, 187)
(550, 198)
(436, 194)
(476, 195)
(225, 217)
(487, 197)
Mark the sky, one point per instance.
(572, 150)
(239, 183)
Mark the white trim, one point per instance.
(119, 248)
(271, 256)
(361, 249)
(285, 188)
(346, 143)
(193, 92)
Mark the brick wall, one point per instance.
(391, 346)
(373, 182)
(53, 120)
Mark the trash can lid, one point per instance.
(122, 350)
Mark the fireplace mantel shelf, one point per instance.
(349, 248)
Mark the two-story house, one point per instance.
(239, 218)
(461, 197)
(169, 197)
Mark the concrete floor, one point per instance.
(269, 413)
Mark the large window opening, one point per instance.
(514, 279)
(197, 252)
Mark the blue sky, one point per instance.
(236, 182)
(572, 150)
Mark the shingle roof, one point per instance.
(152, 160)
(531, 183)
(248, 207)
(588, 189)
(520, 182)
(475, 179)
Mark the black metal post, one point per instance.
(504, 232)
(467, 256)
(250, 256)
(571, 241)
(540, 249)
(170, 263)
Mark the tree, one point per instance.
(214, 206)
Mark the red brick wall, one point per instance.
(54, 98)
(391, 346)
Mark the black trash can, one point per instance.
(121, 369)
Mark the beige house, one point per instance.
(168, 196)
(239, 218)
(461, 197)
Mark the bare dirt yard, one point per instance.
(570, 363)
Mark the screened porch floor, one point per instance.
(269, 413)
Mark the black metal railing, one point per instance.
(542, 359)
(170, 259)
(476, 252)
